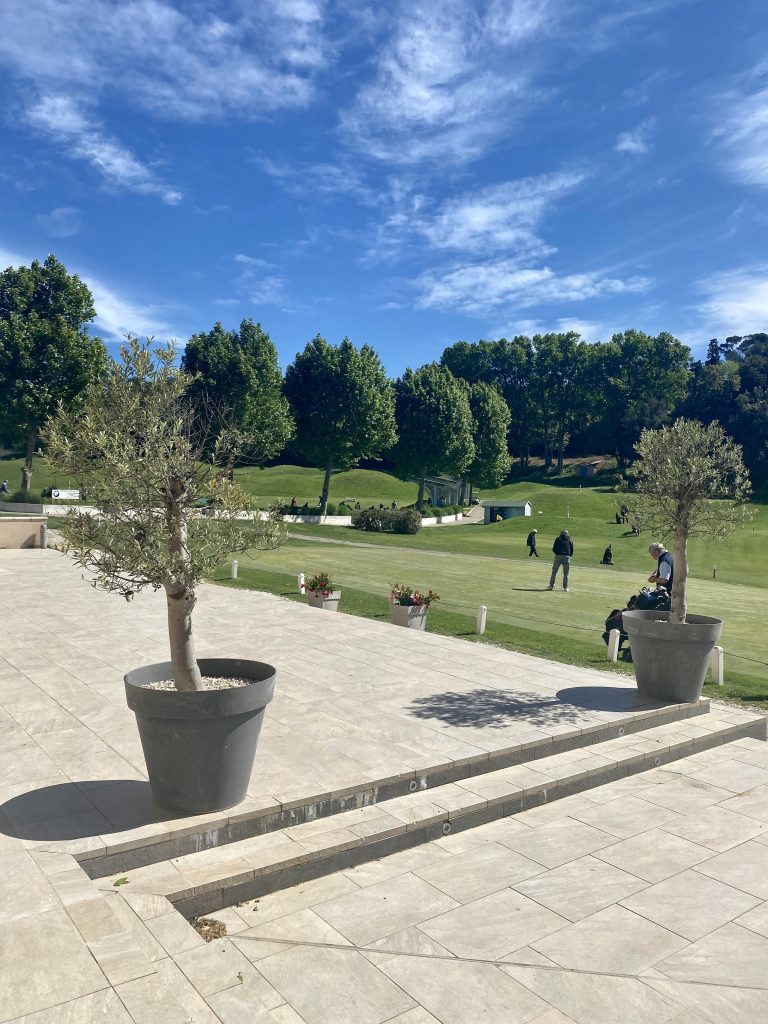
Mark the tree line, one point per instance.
(468, 415)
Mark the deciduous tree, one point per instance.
(343, 405)
(490, 415)
(435, 425)
(238, 371)
(46, 354)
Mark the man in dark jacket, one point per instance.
(563, 550)
(531, 542)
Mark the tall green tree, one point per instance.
(644, 378)
(343, 405)
(435, 425)
(490, 415)
(47, 356)
(238, 372)
(507, 364)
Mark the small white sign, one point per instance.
(65, 495)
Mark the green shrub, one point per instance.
(371, 519)
(385, 520)
(405, 520)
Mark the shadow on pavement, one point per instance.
(70, 811)
(494, 708)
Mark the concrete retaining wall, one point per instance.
(21, 531)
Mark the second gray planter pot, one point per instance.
(671, 658)
(199, 746)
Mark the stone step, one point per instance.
(204, 881)
(620, 713)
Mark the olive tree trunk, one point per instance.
(30, 443)
(181, 599)
(678, 604)
(186, 672)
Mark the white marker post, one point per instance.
(234, 568)
(716, 663)
(44, 536)
(301, 583)
(482, 615)
(613, 644)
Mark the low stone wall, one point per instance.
(320, 520)
(14, 507)
(439, 520)
(21, 531)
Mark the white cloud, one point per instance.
(589, 330)
(61, 222)
(501, 217)
(177, 60)
(742, 132)
(735, 300)
(260, 288)
(480, 287)
(446, 83)
(116, 314)
(638, 139)
(63, 120)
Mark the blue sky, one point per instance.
(407, 174)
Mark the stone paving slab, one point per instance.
(72, 952)
(361, 709)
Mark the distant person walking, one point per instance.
(393, 506)
(625, 513)
(607, 556)
(4, 487)
(665, 566)
(293, 506)
(531, 542)
(563, 550)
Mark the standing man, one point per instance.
(531, 542)
(563, 550)
(4, 487)
(665, 567)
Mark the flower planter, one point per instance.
(409, 615)
(199, 746)
(330, 602)
(670, 659)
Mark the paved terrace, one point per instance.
(641, 900)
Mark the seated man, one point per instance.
(665, 566)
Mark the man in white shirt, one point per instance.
(665, 566)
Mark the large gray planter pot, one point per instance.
(199, 746)
(329, 602)
(671, 658)
(410, 615)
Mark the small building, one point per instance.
(507, 509)
(589, 468)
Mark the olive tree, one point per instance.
(150, 456)
(692, 482)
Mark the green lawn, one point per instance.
(473, 564)
(364, 485)
(562, 626)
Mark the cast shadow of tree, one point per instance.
(499, 708)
